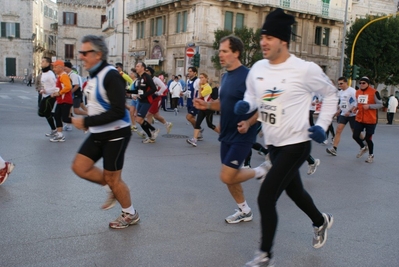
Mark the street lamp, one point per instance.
(341, 62)
(123, 31)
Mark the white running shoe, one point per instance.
(313, 167)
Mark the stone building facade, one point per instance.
(18, 20)
(77, 18)
(116, 31)
(161, 31)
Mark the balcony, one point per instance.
(108, 26)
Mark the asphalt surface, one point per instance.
(50, 217)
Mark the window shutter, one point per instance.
(178, 22)
(239, 21)
(17, 34)
(75, 19)
(228, 21)
(64, 18)
(3, 29)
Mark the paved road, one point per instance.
(50, 217)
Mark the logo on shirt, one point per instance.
(271, 94)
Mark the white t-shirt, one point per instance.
(283, 93)
(347, 100)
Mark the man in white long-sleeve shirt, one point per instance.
(281, 87)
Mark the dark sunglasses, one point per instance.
(340, 83)
(362, 83)
(84, 53)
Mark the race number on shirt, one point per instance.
(362, 99)
(270, 113)
(343, 104)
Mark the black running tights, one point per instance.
(284, 175)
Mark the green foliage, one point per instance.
(376, 50)
(251, 39)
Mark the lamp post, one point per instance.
(123, 32)
(341, 62)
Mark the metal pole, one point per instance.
(341, 62)
(123, 32)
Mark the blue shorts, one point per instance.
(192, 110)
(142, 109)
(233, 155)
(134, 103)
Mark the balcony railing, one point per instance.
(314, 7)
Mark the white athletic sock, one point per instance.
(244, 207)
(2, 163)
(259, 171)
(130, 210)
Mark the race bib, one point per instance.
(344, 104)
(141, 92)
(270, 113)
(362, 99)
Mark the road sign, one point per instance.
(190, 52)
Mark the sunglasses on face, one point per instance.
(84, 53)
(363, 83)
(340, 83)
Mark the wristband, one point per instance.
(208, 105)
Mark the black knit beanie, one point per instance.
(365, 79)
(278, 24)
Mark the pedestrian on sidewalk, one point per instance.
(392, 106)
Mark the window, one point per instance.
(140, 29)
(51, 42)
(184, 29)
(51, 13)
(159, 26)
(239, 21)
(103, 19)
(111, 18)
(178, 22)
(228, 21)
(10, 29)
(69, 18)
(285, 3)
(69, 51)
(46, 11)
(325, 7)
(152, 23)
(294, 30)
(326, 36)
(181, 22)
(322, 36)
